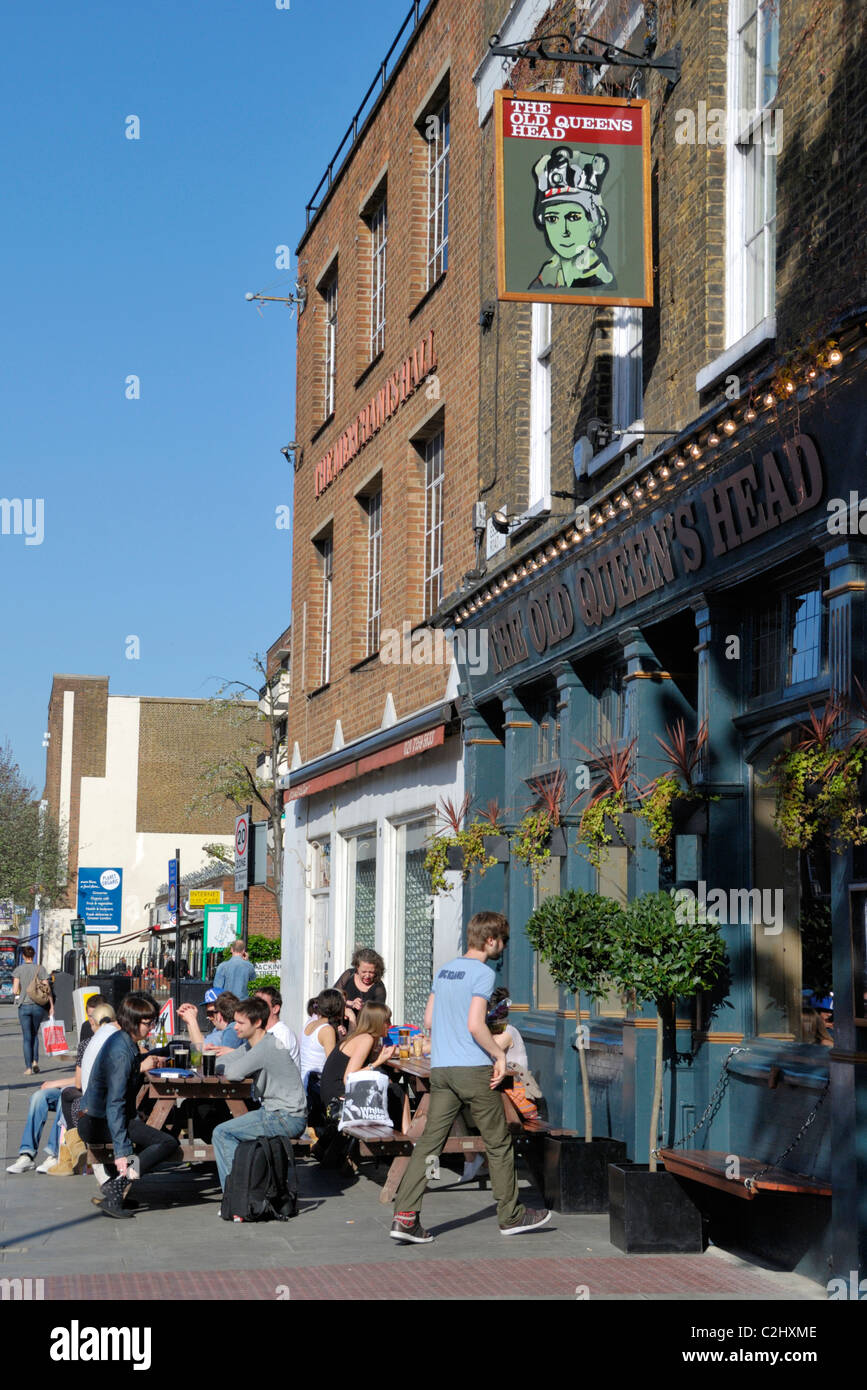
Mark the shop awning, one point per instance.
(408, 739)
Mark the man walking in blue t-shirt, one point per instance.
(463, 1049)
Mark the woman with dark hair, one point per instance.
(108, 1110)
(318, 1040)
(35, 1004)
(362, 982)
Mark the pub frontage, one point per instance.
(720, 582)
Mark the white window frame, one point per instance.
(747, 152)
(434, 466)
(627, 347)
(329, 294)
(438, 146)
(373, 507)
(540, 408)
(326, 550)
(378, 250)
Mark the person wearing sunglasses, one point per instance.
(220, 1009)
(108, 1110)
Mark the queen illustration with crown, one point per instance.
(568, 209)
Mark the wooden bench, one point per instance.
(752, 1176)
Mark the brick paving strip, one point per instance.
(685, 1276)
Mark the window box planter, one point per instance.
(689, 816)
(576, 1173)
(497, 847)
(455, 857)
(650, 1213)
(628, 836)
(557, 842)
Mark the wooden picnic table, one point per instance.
(375, 1141)
(168, 1092)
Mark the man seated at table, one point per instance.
(278, 1084)
(282, 1032)
(220, 1009)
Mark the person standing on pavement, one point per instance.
(35, 1005)
(462, 1050)
(235, 973)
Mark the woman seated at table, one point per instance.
(318, 1040)
(362, 1048)
(362, 983)
(108, 1110)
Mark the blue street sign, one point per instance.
(100, 900)
(173, 872)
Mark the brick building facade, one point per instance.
(123, 775)
(386, 434)
(690, 568)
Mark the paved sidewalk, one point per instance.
(337, 1247)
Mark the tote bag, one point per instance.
(365, 1100)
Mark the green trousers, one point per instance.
(450, 1089)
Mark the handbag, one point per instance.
(39, 992)
(54, 1037)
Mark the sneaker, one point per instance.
(412, 1232)
(472, 1168)
(48, 1163)
(530, 1221)
(22, 1164)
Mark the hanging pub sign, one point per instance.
(573, 199)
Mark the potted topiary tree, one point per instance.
(573, 933)
(667, 950)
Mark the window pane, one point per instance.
(766, 648)
(804, 638)
(327, 553)
(433, 525)
(438, 138)
(770, 15)
(378, 242)
(747, 65)
(374, 571)
(418, 909)
(363, 915)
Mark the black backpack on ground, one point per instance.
(261, 1185)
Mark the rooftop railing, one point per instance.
(369, 102)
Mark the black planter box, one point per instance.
(650, 1213)
(557, 842)
(690, 817)
(455, 857)
(497, 847)
(576, 1173)
(628, 836)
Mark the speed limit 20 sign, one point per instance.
(242, 852)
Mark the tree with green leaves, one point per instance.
(259, 716)
(32, 845)
(573, 933)
(664, 954)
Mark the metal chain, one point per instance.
(750, 1183)
(714, 1102)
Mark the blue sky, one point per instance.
(131, 257)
